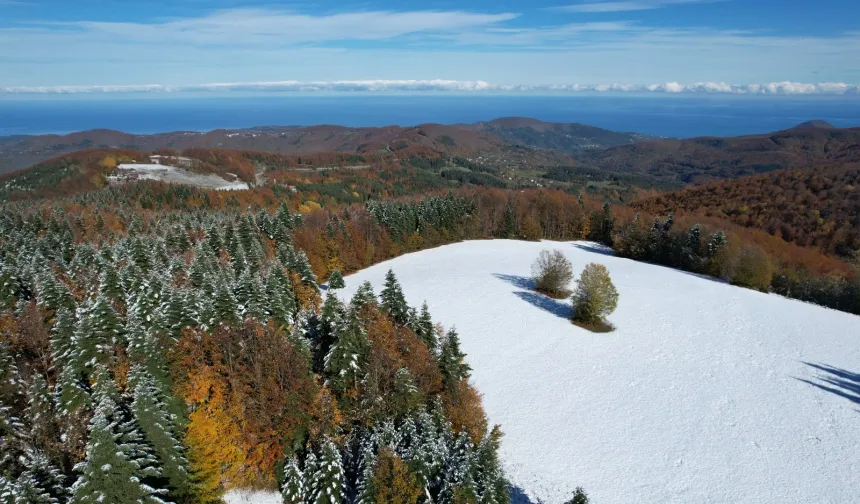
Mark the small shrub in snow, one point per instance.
(552, 272)
(579, 497)
(595, 297)
(752, 269)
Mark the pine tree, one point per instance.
(61, 336)
(363, 296)
(302, 266)
(54, 294)
(335, 280)
(393, 300)
(106, 325)
(293, 489)
(345, 362)
(225, 306)
(159, 430)
(332, 324)
(40, 482)
(365, 488)
(213, 241)
(490, 482)
(280, 301)
(718, 241)
(117, 466)
(452, 361)
(425, 329)
(109, 284)
(41, 414)
(328, 479)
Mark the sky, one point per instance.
(741, 46)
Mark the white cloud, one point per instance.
(264, 45)
(267, 26)
(625, 6)
(455, 86)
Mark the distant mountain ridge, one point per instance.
(701, 160)
(493, 137)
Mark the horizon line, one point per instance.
(418, 86)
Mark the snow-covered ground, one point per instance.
(705, 393)
(252, 497)
(171, 174)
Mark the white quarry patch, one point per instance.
(129, 172)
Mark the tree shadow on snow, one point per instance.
(557, 308)
(518, 496)
(516, 281)
(837, 381)
(595, 248)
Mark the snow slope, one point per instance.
(252, 497)
(697, 397)
(171, 174)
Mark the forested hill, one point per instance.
(564, 137)
(818, 208)
(701, 160)
(502, 137)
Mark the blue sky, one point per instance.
(530, 43)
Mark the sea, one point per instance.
(676, 116)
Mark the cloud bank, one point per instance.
(452, 86)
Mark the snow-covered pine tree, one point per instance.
(117, 467)
(328, 482)
(40, 414)
(490, 482)
(302, 266)
(61, 337)
(159, 430)
(109, 283)
(280, 301)
(53, 294)
(40, 482)
(425, 329)
(718, 241)
(293, 489)
(457, 482)
(213, 241)
(365, 488)
(345, 362)
(393, 301)
(106, 326)
(452, 361)
(335, 280)
(363, 296)
(332, 322)
(226, 309)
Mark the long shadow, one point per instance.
(837, 381)
(557, 308)
(597, 249)
(516, 281)
(518, 496)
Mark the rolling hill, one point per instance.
(698, 161)
(813, 208)
(563, 137)
(513, 138)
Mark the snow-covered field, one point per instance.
(705, 393)
(252, 497)
(173, 175)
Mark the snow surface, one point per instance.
(703, 394)
(252, 497)
(174, 175)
